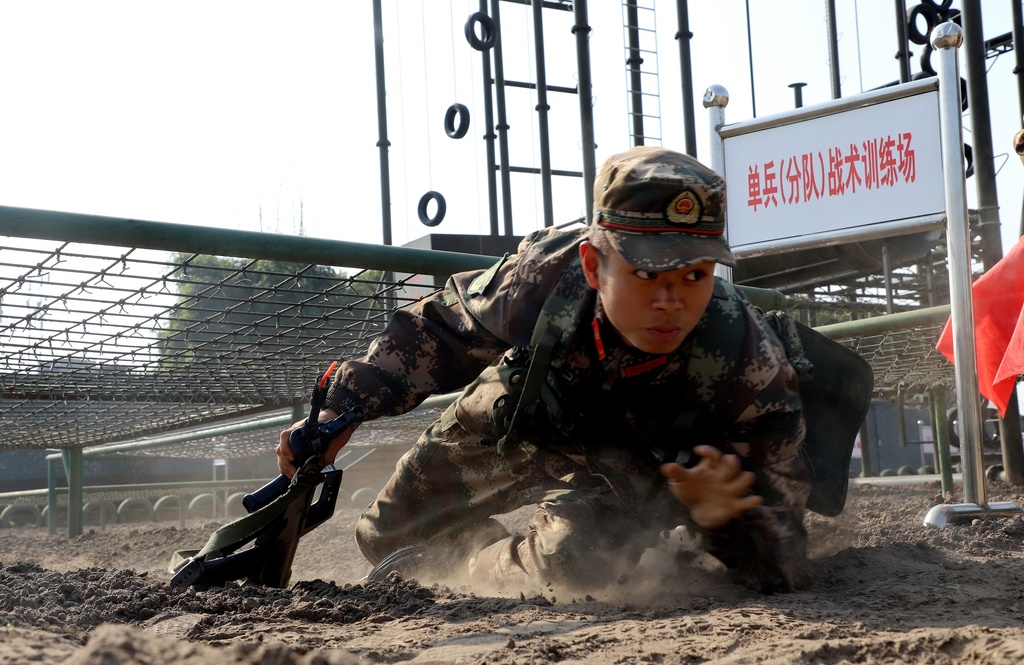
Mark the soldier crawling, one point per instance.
(612, 381)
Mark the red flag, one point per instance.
(998, 328)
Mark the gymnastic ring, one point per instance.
(450, 129)
(425, 200)
(488, 35)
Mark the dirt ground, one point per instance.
(887, 590)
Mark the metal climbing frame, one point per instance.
(483, 32)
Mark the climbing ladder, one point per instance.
(643, 100)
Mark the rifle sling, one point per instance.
(233, 535)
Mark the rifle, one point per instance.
(279, 513)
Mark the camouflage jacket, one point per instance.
(729, 384)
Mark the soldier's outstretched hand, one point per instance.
(715, 491)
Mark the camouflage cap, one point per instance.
(664, 210)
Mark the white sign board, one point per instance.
(878, 163)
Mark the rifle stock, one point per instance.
(279, 513)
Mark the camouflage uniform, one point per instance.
(587, 451)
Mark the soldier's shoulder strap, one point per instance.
(555, 325)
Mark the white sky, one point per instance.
(236, 113)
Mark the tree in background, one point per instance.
(234, 309)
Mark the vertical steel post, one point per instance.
(943, 462)
(499, 87)
(716, 98)
(833, 47)
(489, 137)
(981, 133)
(542, 111)
(581, 29)
(865, 450)
(798, 94)
(51, 497)
(902, 52)
(633, 63)
(1018, 51)
(683, 36)
(383, 144)
(73, 469)
(750, 60)
(946, 38)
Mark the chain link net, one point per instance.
(101, 344)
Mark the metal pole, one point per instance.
(879, 325)
(51, 497)
(1009, 433)
(120, 232)
(750, 59)
(683, 36)
(946, 38)
(798, 94)
(542, 112)
(887, 276)
(489, 137)
(633, 63)
(73, 468)
(1018, 50)
(383, 144)
(981, 133)
(865, 450)
(499, 86)
(716, 98)
(833, 47)
(581, 29)
(902, 52)
(866, 445)
(941, 429)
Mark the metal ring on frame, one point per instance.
(442, 208)
(450, 128)
(488, 35)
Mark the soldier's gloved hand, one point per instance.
(285, 462)
(715, 491)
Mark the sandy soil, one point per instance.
(887, 590)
